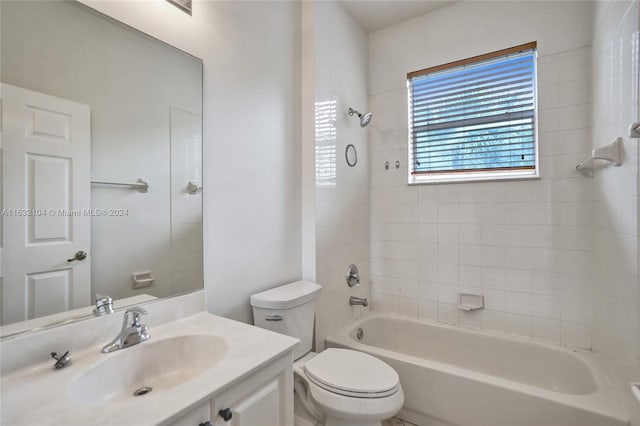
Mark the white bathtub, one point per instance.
(453, 376)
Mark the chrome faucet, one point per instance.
(104, 305)
(362, 301)
(131, 333)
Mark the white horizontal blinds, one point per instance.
(325, 119)
(478, 115)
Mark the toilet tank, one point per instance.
(288, 309)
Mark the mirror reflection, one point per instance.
(101, 162)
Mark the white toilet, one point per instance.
(337, 387)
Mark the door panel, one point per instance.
(45, 124)
(48, 188)
(259, 408)
(48, 292)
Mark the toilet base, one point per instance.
(304, 418)
(303, 408)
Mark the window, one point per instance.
(326, 112)
(474, 119)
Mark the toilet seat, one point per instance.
(352, 374)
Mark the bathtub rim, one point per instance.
(604, 401)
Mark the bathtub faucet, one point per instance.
(358, 301)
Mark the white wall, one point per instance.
(250, 137)
(130, 82)
(616, 96)
(342, 199)
(526, 245)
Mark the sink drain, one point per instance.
(142, 391)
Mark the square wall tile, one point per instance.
(519, 325)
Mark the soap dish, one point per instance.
(142, 279)
(470, 302)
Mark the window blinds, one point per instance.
(474, 115)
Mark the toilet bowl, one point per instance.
(336, 387)
(341, 387)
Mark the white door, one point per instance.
(45, 187)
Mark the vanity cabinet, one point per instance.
(265, 398)
(196, 416)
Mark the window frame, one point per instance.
(493, 174)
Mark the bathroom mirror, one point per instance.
(101, 164)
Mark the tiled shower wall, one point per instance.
(616, 329)
(342, 192)
(526, 245)
(616, 188)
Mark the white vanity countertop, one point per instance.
(39, 394)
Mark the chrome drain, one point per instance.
(142, 391)
(360, 333)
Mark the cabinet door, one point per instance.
(265, 398)
(199, 415)
(261, 406)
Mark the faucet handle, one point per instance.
(61, 360)
(135, 312)
(144, 332)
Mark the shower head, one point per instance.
(364, 118)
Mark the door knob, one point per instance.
(80, 255)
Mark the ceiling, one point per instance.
(376, 14)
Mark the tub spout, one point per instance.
(358, 301)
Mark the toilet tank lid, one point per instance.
(286, 296)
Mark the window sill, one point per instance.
(472, 177)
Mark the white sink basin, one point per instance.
(160, 365)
